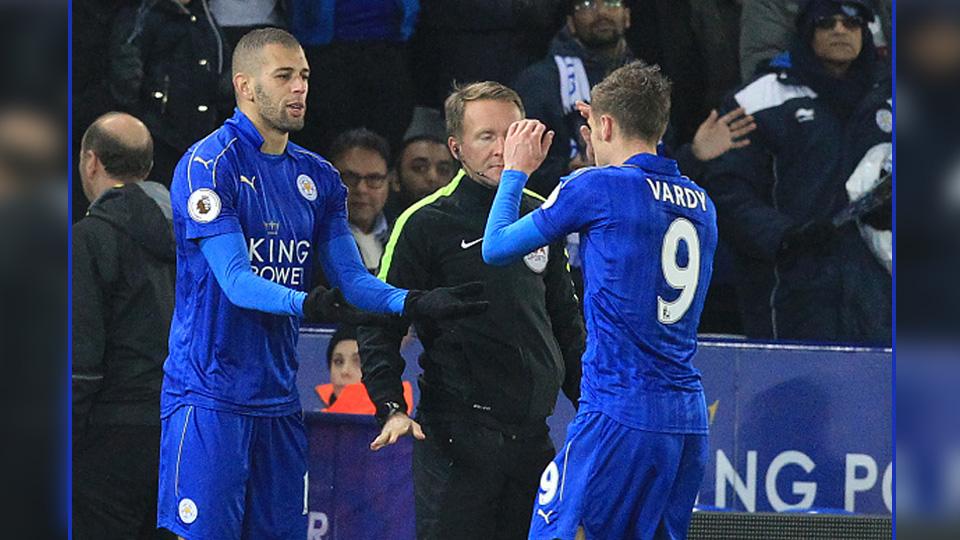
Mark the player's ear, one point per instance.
(606, 127)
(243, 86)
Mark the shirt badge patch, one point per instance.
(187, 510)
(307, 188)
(885, 120)
(204, 205)
(537, 260)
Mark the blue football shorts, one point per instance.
(228, 476)
(619, 483)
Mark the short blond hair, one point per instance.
(457, 101)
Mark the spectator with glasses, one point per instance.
(361, 156)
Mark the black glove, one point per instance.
(811, 236)
(329, 305)
(445, 302)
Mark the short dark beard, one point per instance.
(593, 41)
(274, 114)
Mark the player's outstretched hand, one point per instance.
(526, 145)
(398, 425)
(329, 305)
(445, 302)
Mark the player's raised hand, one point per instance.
(445, 302)
(398, 425)
(526, 145)
(329, 305)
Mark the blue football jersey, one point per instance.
(647, 239)
(221, 356)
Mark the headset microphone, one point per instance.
(464, 164)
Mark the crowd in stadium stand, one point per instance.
(385, 66)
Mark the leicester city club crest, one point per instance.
(307, 188)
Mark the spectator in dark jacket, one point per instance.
(169, 66)
(586, 49)
(123, 275)
(589, 47)
(823, 106)
(768, 29)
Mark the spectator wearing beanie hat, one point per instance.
(821, 109)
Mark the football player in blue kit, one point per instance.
(254, 214)
(635, 453)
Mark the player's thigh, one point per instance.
(634, 472)
(457, 481)
(204, 465)
(276, 505)
(693, 463)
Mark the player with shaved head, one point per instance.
(254, 216)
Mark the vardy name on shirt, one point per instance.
(678, 195)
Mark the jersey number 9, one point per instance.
(682, 278)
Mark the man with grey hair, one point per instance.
(123, 276)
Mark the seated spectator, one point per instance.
(822, 107)
(424, 164)
(169, 66)
(345, 393)
(362, 156)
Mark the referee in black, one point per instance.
(490, 381)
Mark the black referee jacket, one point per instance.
(504, 367)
